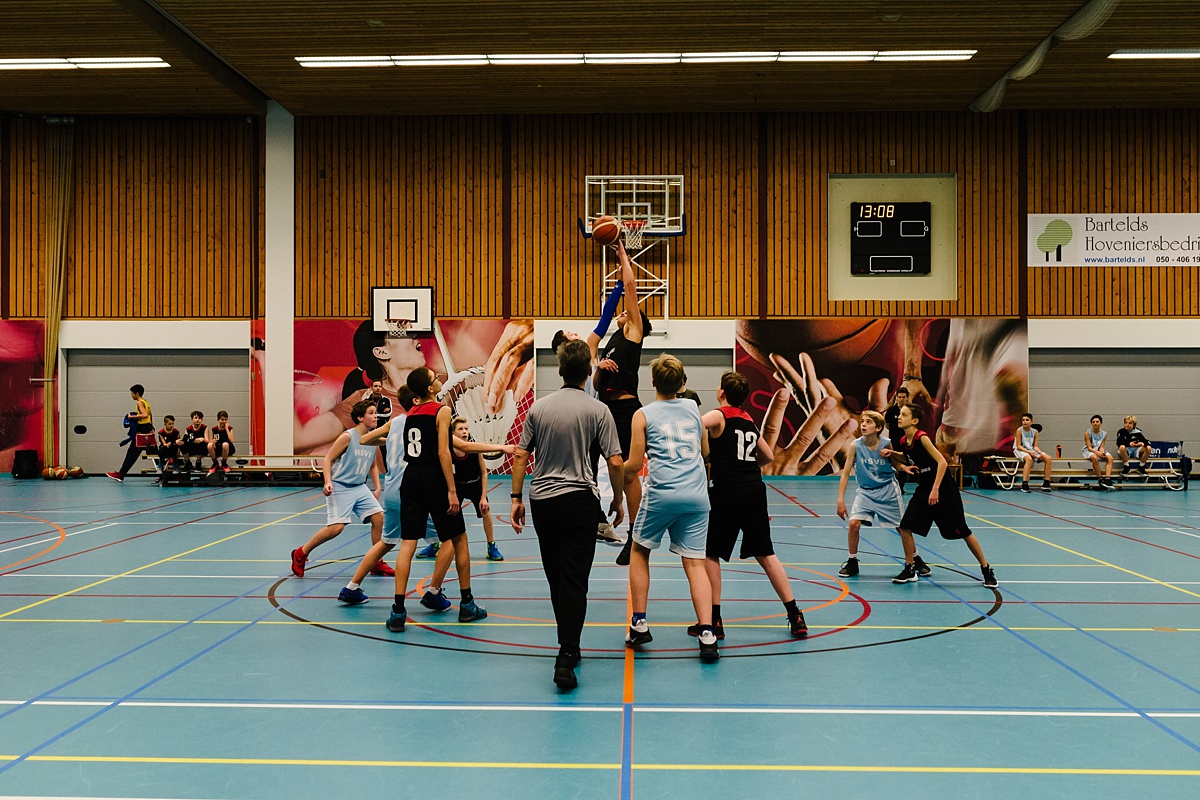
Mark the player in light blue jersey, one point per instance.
(871, 460)
(347, 466)
(675, 501)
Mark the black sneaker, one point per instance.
(849, 569)
(639, 634)
(1025, 488)
(989, 578)
(1125, 469)
(920, 567)
(564, 672)
(1142, 469)
(907, 575)
(623, 556)
(797, 625)
(718, 629)
(1046, 486)
(708, 647)
(1107, 485)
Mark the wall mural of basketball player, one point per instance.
(811, 378)
(336, 360)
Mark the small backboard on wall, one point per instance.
(412, 303)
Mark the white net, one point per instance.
(633, 233)
(463, 392)
(398, 328)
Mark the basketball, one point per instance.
(60, 473)
(834, 345)
(48, 473)
(606, 230)
(75, 472)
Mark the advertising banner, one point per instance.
(1096, 240)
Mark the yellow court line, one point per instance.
(1085, 555)
(850, 768)
(154, 564)
(449, 624)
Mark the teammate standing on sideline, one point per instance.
(739, 501)
(617, 382)
(346, 468)
(669, 430)
(935, 500)
(427, 490)
(563, 428)
(877, 498)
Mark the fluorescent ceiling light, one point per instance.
(925, 55)
(536, 58)
(743, 57)
(632, 58)
(344, 61)
(129, 62)
(828, 55)
(440, 61)
(1162, 53)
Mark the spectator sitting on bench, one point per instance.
(220, 442)
(1133, 444)
(195, 441)
(1093, 450)
(1025, 448)
(168, 444)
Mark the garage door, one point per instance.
(176, 382)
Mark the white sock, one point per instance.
(352, 585)
(854, 556)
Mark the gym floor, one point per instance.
(156, 645)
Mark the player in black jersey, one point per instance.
(427, 490)
(616, 381)
(934, 501)
(195, 441)
(220, 442)
(738, 498)
(168, 445)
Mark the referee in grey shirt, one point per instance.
(562, 428)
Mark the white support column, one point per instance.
(280, 279)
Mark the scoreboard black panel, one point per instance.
(889, 238)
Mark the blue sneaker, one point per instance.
(494, 552)
(352, 597)
(436, 601)
(470, 612)
(396, 621)
(429, 552)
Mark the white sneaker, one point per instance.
(608, 534)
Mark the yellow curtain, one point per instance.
(60, 195)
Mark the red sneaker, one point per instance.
(116, 476)
(383, 570)
(299, 559)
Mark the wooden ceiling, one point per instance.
(215, 41)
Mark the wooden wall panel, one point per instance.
(398, 201)
(26, 182)
(805, 148)
(1114, 162)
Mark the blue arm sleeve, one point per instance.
(610, 307)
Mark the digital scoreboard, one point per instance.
(890, 238)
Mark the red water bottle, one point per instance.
(1058, 452)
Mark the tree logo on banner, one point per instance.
(1057, 234)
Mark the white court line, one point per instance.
(613, 709)
(55, 538)
(1193, 535)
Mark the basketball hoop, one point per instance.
(398, 328)
(633, 232)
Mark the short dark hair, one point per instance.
(360, 410)
(901, 388)
(168, 418)
(222, 413)
(560, 336)
(1097, 417)
(406, 398)
(199, 414)
(1027, 414)
(646, 326)
(137, 388)
(915, 411)
(736, 388)
(366, 339)
(419, 380)
(574, 362)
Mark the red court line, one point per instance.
(1091, 527)
(794, 500)
(151, 533)
(62, 537)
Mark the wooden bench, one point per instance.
(1076, 473)
(250, 470)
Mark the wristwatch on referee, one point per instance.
(516, 496)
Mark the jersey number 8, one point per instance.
(414, 442)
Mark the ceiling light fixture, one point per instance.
(536, 58)
(440, 61)
(549, 59)
(632, 58)
(828, 55)
(742, 57)
(344, 61)
(1161, 53)
(925, 55)
(128, 62)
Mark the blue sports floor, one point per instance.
(154, 644)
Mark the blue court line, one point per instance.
(1078, 673)
(164, 675)
(626, 791)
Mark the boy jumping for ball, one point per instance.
(675, 501)
(347, 466)
(877, 499)
(935, 500)
(739, 501)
